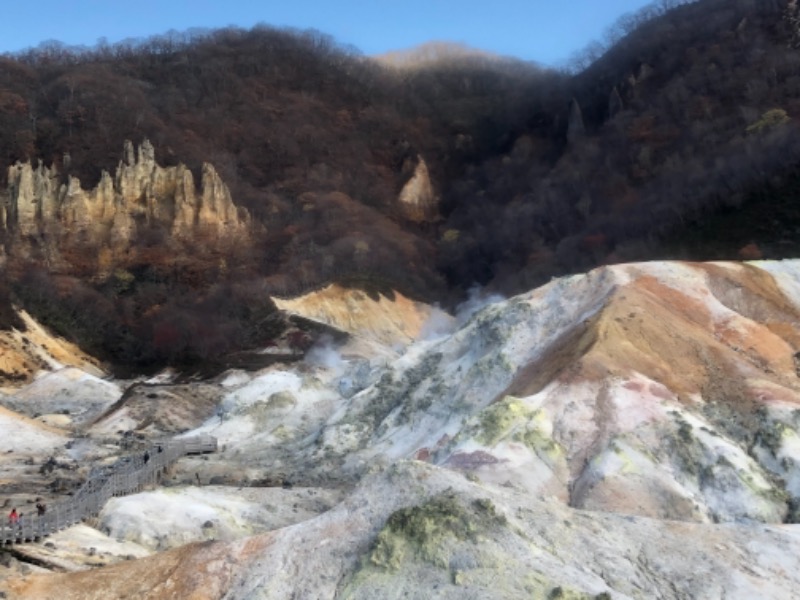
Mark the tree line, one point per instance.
(686, 111)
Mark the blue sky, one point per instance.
(546, 31)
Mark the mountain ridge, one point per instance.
(623, 423)
(677, 142)
(494, 131)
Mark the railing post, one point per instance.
(123, 477)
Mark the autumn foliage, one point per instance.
(676, 137)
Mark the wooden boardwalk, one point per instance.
(126, 476)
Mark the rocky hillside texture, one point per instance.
(627, 433)
(632, 431)
(390, 319)
(676, 140)
(120, 268)
(26, 351)
(41, 216)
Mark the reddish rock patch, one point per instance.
(471, 460)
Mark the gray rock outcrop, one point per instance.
(417, 198)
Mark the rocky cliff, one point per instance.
(417, 199)
(51, 211)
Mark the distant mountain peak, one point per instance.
(435, 53)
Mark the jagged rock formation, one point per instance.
(417, 199)
(141, 195)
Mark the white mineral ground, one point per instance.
(631, 432)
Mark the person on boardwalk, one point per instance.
(146, 457)
(13, 517)
(41, 507)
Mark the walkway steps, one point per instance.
(128, 475)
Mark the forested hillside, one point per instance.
(675, 139)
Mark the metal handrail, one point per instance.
(126, 476)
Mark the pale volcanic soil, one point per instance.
(24, 354)
(632, 432)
